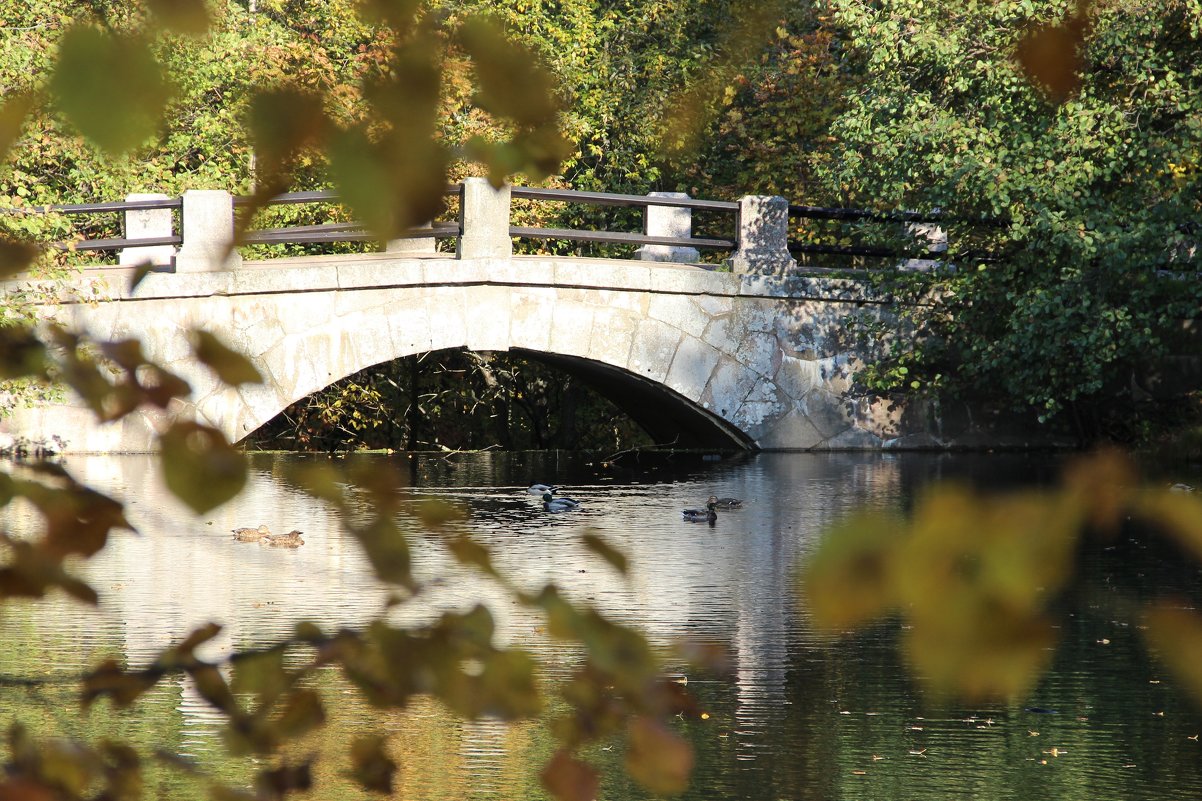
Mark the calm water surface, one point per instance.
(796, 719)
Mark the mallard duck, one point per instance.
(553, 504)
(290, 540)
(541, 489)
(251, 534)
(726, 503)
(706, 515)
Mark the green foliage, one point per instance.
(1091, 199)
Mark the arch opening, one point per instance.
(459, 399)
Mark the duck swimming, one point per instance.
(251, 534)
(706, 515)
(553, 504)
(290, 540)
(541, 489)
(726, 503)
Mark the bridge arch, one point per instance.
(728, 359)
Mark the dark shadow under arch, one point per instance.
(665, 415)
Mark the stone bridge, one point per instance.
(753, 356)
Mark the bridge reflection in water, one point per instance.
(795, 719)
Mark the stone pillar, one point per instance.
(763, 236)
(930, 236)
(147, 224)
(208, 218)
(668, 221)
(485, 215)
(414, 245)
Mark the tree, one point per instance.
(1067, 198)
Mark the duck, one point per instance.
(553, 504)
(706, 515)
(541, 489)
(290, 540)
(251, 534)
(726, 503)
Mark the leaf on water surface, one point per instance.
(658, 759)
(110, 87)
(569, 779)
(231, 367)
(371, 766)
(200, 467)
(597, 544)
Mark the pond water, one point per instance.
(797, 718)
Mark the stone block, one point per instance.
(571, 329)
(730, 383)
(797, 377)
(792, 432)
(449, 317)
(296, 279)
(654, 346)
(853, 439)
(827, 411)
(668, 222)
(486, 317)
(763, 236)
(678, 311)
(691, 281)
(692, 367)
(760, 352)
(613, 336)
(485, 214)
(208, 233)
(409, 329)
(147, 224)
(305, 311)
(531, 317)
(381, 273)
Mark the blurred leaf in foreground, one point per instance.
(1175, 634)
(200, 467)
(230, 366)
(110, 87)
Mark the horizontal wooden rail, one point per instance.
(617, 238)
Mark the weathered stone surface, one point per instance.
(678, 311)
(776, 365)
(571, 329)
(692, 367)
(654, 346)
(531, 315)
(613, 336)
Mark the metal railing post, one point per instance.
(485, 215)
(208, 233)
(763, 236)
